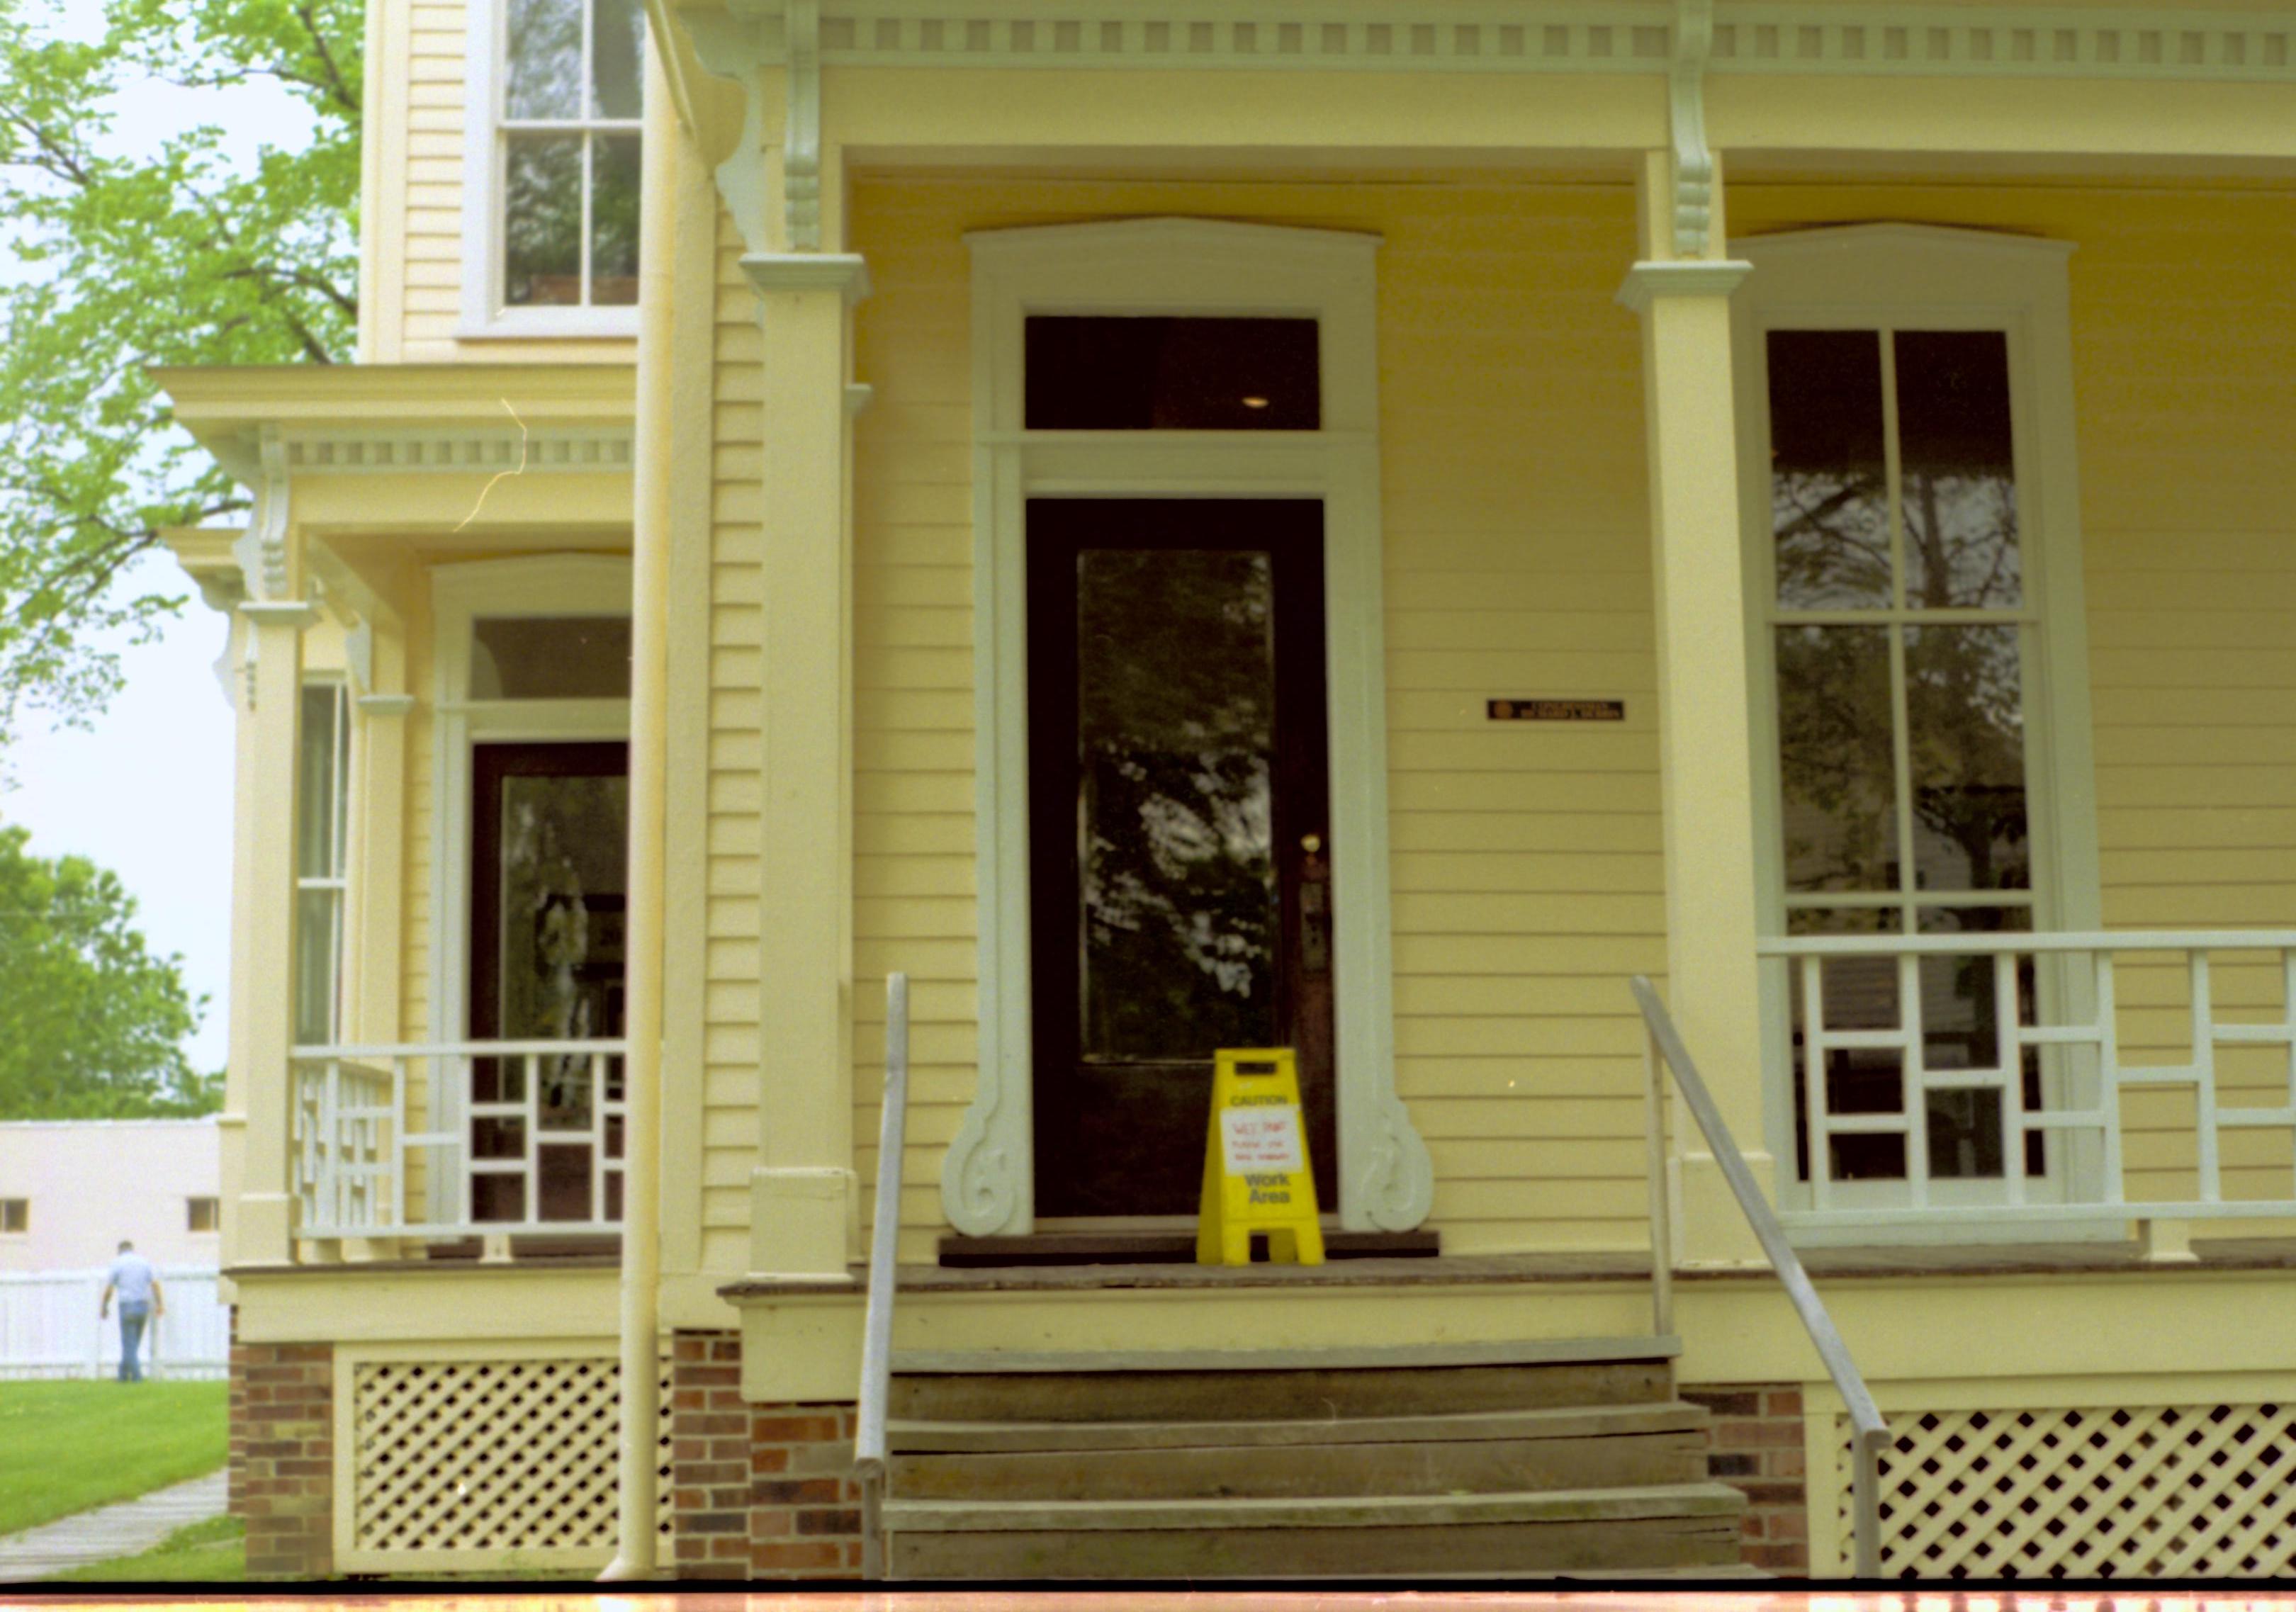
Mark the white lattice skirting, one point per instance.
(500, 1463)
(2127, 1492)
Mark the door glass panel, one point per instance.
(563, 867)
(1829, 493)
(1960, 486)
(563, 851)
(1836, 762)
(1965, 736)
(1176, 723)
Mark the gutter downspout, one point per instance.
(640, 1392)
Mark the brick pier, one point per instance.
(283, 1468)
(758, 1491)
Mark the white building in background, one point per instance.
(70, 1189)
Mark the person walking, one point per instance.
(140, 1299)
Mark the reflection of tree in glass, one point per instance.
(542, 219)
(1957, 470)
(1966, 735)
(1835, 758)
(1829, 487)
(562, 839)
(1175, 734)
(546, 59)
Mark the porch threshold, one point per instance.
(1489, 1269)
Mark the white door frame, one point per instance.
(538, 585)
(1199, 266)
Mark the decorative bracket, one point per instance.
(802, 128)
(225, 591)
(740, 47)
(261, 549)
(1694, 162)
(358, 657)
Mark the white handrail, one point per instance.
(877, 1326)
(1666, 1047)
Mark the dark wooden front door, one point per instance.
(549, 850)
(1179, 859)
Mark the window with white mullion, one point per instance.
(322, 861)
(567, 124)
(1900, 627)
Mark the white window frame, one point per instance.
(1183, 266)
(190, 1206)
(337, 884)
(485, 315)
(1903, 276)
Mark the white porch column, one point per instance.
(1705, 759)
(804, 1210)
(266, 1219)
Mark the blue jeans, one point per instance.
(131, 1336)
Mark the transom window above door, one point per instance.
(552, 211)
(1140, 372)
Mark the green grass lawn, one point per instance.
(66, 1447)
(213, 1551)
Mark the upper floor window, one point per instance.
(15, 1215)
(203, 1214)
(553, 220)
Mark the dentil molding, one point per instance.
(1501, 35)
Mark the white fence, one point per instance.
(49, 1326)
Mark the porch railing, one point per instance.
(877, 1323)
(2029, 1047)
(458, 1139)
(1666, 1052)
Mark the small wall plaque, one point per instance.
(1557, 710)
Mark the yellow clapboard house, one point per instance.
(1359, 526)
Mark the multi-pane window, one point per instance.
(322, 805)
(567, 152)
(1902, 624)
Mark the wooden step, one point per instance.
(1532, 1450)
(1258, 1393)
(1569, 1421)
(1491, 1352)
(1583, 1531)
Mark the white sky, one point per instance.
(147, 793)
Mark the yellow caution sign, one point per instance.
(1256, 1172)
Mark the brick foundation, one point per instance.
(758, 1491)
(283, 1465)
(1755, 1445)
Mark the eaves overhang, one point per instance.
(318, 418)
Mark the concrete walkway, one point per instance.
(129, 1529)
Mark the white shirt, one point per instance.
(131, 1273)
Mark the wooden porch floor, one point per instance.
(1962, 1261)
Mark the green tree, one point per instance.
(173, 256)
(92, 1025)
